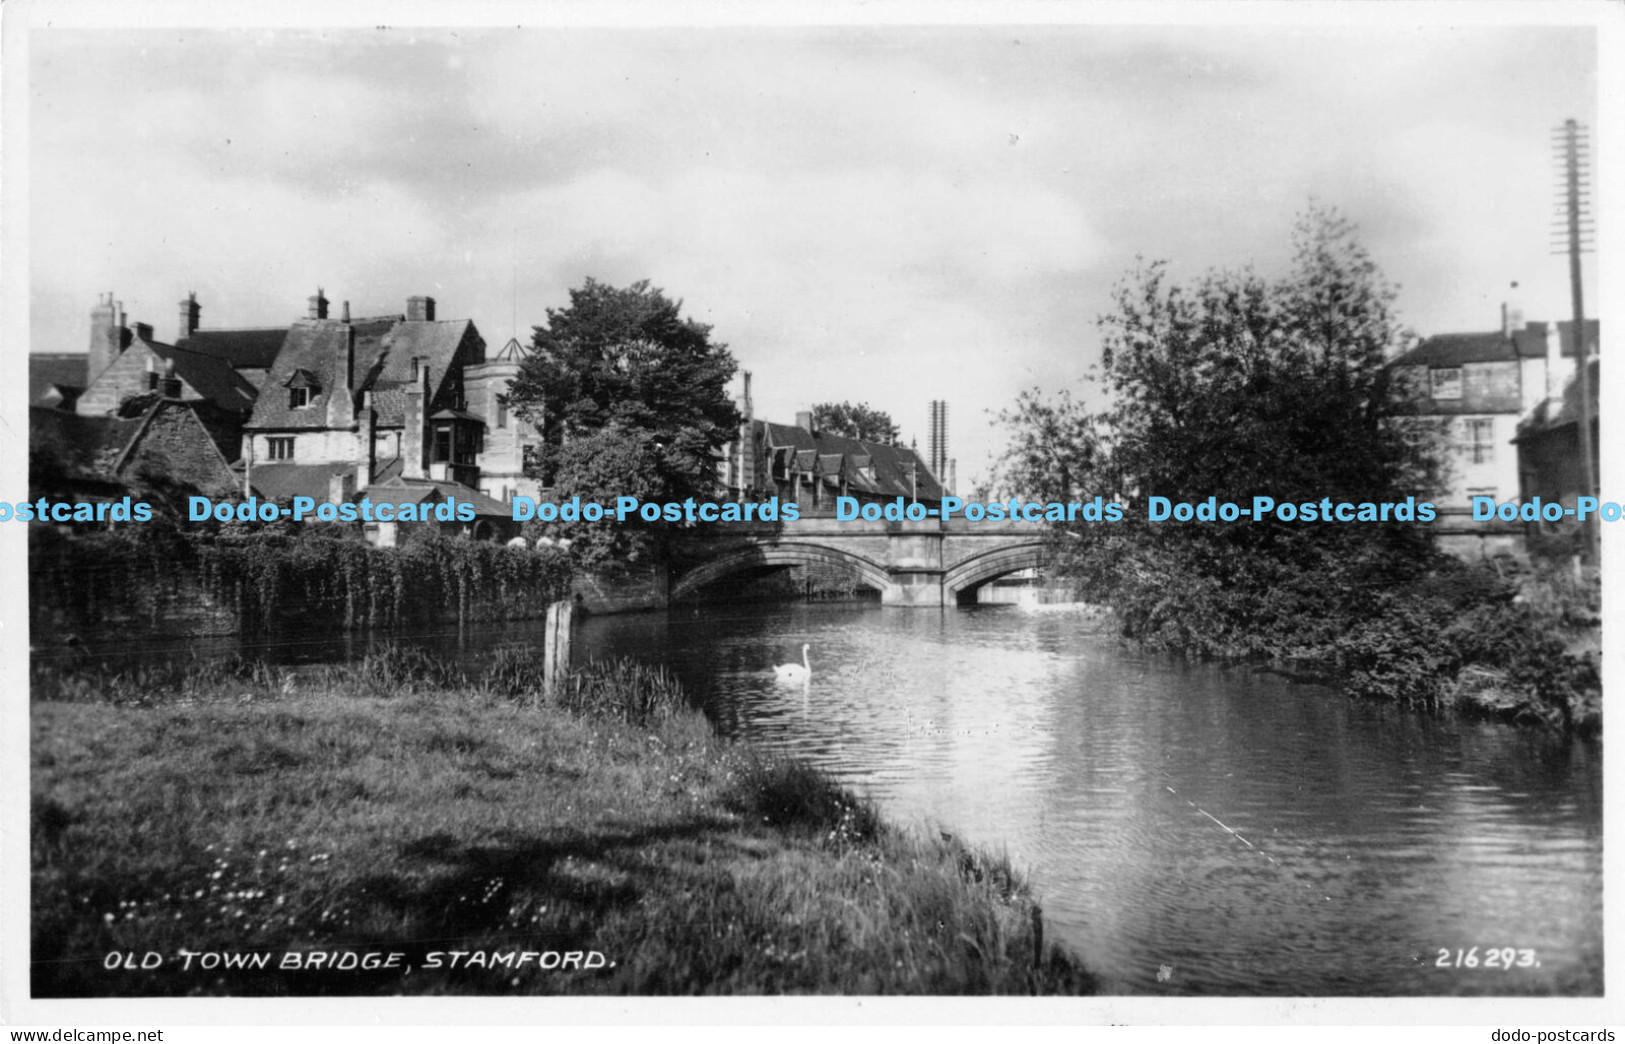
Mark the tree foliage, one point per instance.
(622, 364)
(1236, 386)
(855, 421)
(1233, 386)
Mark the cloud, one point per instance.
(891, 214)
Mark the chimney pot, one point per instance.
(346, 311)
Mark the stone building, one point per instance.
(510, 440)
(221, 367)
(367, 392)
(811, 468)
(154, 441)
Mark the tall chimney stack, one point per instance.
(747, 444)
(1511, 313)
(318, 305)
(189, 314)
(105, 338)
(420, 309)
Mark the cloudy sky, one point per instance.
(888, 214)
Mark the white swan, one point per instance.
(794, 672)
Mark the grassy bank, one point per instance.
(394, 807)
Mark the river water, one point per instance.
(1189, 829)
(1230, 832)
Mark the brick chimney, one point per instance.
(420, 309)
(415, 439)
(189, 314)
(142, 331)
(106, 334)
(318, 305)
(804, 420)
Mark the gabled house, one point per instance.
(811, 468)
(157, 440)
(1482, 384)
(126, 359)
(370, 391)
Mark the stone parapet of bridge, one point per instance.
(924, 564)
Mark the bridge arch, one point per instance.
(989, 565)
(760, 556)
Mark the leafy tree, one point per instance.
(620, 461)
(1231, 387)
(855, 421)
(623, 365)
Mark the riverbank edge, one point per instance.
(1471, 689)
(250, 810)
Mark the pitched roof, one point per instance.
(435, 343)
(1456, 349)
(898, 470)
(282, 481)
(321, 349)
(47, 370)
(400, 490)
(248, 349)
(384, 349)
(86, 446)
(210, 376)
(224, 427)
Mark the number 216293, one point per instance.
(1505, 957)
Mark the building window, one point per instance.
(442, 444)
(1479, 445)
(298, 398)
(279, 448)
(1446, 382)
(502, 412)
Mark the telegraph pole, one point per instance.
(1575, 216)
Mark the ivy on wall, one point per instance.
(269, 580)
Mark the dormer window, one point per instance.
(302, 389)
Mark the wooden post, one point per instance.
(556, 646)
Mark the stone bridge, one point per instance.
(929, 563)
